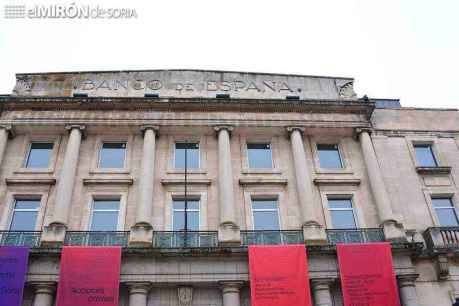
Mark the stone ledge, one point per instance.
(189, 181)
(108, 181)
(30, 181)
(433, 170)
(262, 181)
(337, 181)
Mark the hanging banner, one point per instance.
(279, 276)
(89, 276)
(367, 274)
(13, 269)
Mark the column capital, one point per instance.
(43, 287)
(322, 283)
(407, 280)
(81, 127)
(138, 287)
(360, 130)
(9, 129)
(155, 128)
(229, 128)
(231, 286)
(292, 128)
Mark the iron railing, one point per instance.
(442, 237)
(271, 237)
(181, 239)
(94, 238)
(20, 238)
(358, 235)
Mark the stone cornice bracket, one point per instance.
(9, 129)
(82, 128)
(231, 286)
(229, 128)
(138, 287)
(155, 128)
(290, 129)
(360, 130)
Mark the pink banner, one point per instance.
(89, 276)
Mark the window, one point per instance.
(39, 155)
(425, 155)
(265, 214)
(191, 149)
(24, 217)
(112, 155)
(446, 212)
(192, 214)
(259, 155)
(329, 157)
(105, 215)
(342, 213)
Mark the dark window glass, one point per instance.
(342, 213)
(39, 155)
(25, 214)
(446, 212)
(112, 155)
(425, 156)
(105, 215)
(265, 215)
(192, 213)
(192, 155)
(259, 155)
(329, 157)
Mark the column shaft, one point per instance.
(66, 181)
(377, 184)
(231, 295)
(145, 201)
(407, 290)
(4, 133)
(138, 294)
(322, 293)
(225, 178)
(303, 179)
(44, 295)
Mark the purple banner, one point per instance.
(13, 269)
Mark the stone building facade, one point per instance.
(97, 158)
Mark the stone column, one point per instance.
(138, 293)
(228, 231)
(6, 132)
(43, 293)
(321, 291)
(142, 231)
(393, 230)
(55, 231)
(313, 232)
(407, 287)
(230, 291)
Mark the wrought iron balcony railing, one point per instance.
(271, 237)
(446, 237)
(359, 235)
(181, 239)
(20, 238)
(78, 238)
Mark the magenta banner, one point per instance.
(13, 269)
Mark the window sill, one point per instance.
(261, 171)
(189, 182)
(433, 170)
(30, 181)
(189, 171)
(34, 171)
(109, 171)
(108, 181)
(337, 181)
(334, 171)
(262, 181)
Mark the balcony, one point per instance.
(77, 238)
(360, 235)
(28, 239)
(190, 239)
(271, 237)
(442, 237)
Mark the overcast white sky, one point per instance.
(407, 49)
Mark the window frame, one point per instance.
(248, 142)
(102, 198)
(182, 198)
(26, 145)
(265, 198)
(354, 214)
(101, 147)
(174, 155)
(452, 207)
(340, 157)
(13, 209)
(432, 152)
(29, 151)
(343, 152)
